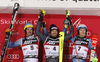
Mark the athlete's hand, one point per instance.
(95, 59)
(7, 31)
(40, 17)
(69, 18)
(66, 22)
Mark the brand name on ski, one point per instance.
(52, 42)
(30, 41)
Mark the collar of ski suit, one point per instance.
(29, 37)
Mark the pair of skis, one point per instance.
(62, 34)
(7, 37)
(61, 41)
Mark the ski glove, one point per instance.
(95, 59)
(40, 17)
(7, 31)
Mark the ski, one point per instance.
(7, 37)
(61, 43)
(93, 48)
(71, 28)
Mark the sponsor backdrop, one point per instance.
(15, 54)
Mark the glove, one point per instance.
(66, 26)
(69, 18)
(42, 14)
(66, 22)
(7, 31)
(40, 18)
(95, 59)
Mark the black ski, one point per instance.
(7, 37)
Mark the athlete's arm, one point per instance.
(65, 29)
(39, 33)
(15, 44)
(45, 31)
(90, 47)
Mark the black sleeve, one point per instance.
(67, 37)
(39, 33)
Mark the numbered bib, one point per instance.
(81, 51)
(51, 50)
(30, 49)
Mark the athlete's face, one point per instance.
(29, 31)
(54, 33)
(82, 32)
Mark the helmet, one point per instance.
(82, 26)
(28, 25)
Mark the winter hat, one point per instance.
(53, 27)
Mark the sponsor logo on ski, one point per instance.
(94, 42)
(13, 56)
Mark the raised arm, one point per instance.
(38, 32)
(68, 36)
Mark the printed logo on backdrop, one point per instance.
(7, 21)
(77, 23)
(14, 32)
(68, 45)
(36, 21)
(13, 56)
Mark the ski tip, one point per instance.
(61, 34)
(16, 6)
(67, 13)
(42, 11)
(95, 36)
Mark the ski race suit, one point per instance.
(51, 45)
(83, 45)
(29, 46)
